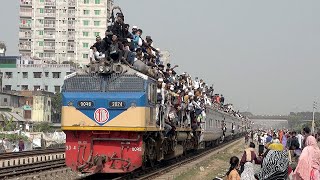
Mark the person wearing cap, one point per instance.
(98, 49)
(137, 41)
(134, 29)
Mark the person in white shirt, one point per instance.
(15, 148)
(300, 139)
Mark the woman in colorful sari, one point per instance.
(275, 164)
(308, 167)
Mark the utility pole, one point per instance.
(313, 124)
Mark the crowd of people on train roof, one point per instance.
(181, 100)
(280, 155)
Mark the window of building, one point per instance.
(46, 88)
(96, 34)
(25, 74)
(24, 87)
(9, 75)
(46, 74)
(68, 73)
(85, 34)
(86, 12)
(49, 103)
(41, 33)
(56, 74)
(5, 100)
(37, 74)
(36, 88)
(85, 45)
(85, 56)
(85, 22)
(96, 23)
(85, 1)
(97, 12)
(63, 44)
(56, 88)
(97, 1)
(41, 55)
(7, 87)
(40, 43)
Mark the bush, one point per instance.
(13, 137)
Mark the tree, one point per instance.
(56, 107)
(9, 124)
(42, 127)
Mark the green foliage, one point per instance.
(42, 127)
(56, 107)
(13, 137)
(9, 124)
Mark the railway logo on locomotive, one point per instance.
(101, 116)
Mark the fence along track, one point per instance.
(30, 153)
(13, 171)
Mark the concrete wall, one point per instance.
(41, 110)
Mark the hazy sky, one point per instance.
(261, 55)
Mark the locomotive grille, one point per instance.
(124, 83)
(111, 83)
(81, 83)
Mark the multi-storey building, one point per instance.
(61, 30)
(19, 76)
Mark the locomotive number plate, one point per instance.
(85, 104)
(117, 104)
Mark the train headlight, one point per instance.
(101, 68)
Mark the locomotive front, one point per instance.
(104, 118)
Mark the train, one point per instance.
(110, 123)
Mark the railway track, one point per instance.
(20, 170)
(30, 153)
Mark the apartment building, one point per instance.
(61, 30)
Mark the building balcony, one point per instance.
(25, 25)
(43, 65)
(24, 47)
(48, 47)
(26, 35)
(49, 36)
(70, 48)
(26, 14)
(71, 37)
(72, 3)
(50, 3)
(49, 25)
(26, 3)
(50, 15)
(71, 26)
